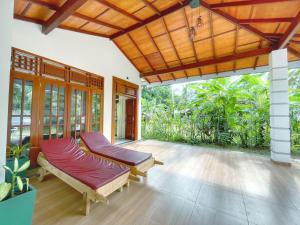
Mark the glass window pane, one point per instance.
(61, 121)
(47, 100)
(84, 103)
(25, 135)
(16, 121)
(46, 120)
(27, 98)
(46, 132)
(15, 135)
(54, 121)
(60, 132)
(73, 106)
(62, 102)
(54, 100)
(78, 104)
(26, 121)
(17, 97)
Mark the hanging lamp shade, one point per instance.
(194, 3)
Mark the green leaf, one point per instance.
(24, 167)
(8, 169)
(27, 183)
(20, 183)
(4, 190)
(16, 165)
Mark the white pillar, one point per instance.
(6, 20)
(140, 113)
(279, 108)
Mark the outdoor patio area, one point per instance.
(197, 185)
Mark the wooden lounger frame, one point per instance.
(138, 170)
(89, 194)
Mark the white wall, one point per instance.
(94, 54)
(6, 20)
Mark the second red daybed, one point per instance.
(94, 177)
(139, 162)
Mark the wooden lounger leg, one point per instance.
(86, 204)
(127, 184)
(140, 173)
(42, 173)
(120, 189)
(158, 162)
(134, 178)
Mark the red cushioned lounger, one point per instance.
(139, 162)
(94, 177)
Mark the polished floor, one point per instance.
(196, 186)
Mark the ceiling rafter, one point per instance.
(295, 41)
(140, 51)
(119, 10)
(152, 7)
(290, 33)
(82, 31)
(235, 21)
(25, 10)
(266, 20)
(257, 57)
(157, 48)
(245, 3)
(68, 8)
(223, 59)
(93, 20)
(192, 42)
(235, 45)
(211, 31)
(151, 19)
(172, 43)
(44, 4)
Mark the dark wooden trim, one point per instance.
(48, 5)
(266, 20)
(151, 6)
(244, 3)
(223, 59)
(151, 19)
(27, 19)
(290, 33)
(68, 8)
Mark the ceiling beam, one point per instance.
(152, 7)
(235, 21)
(151, 19)
(92, 20)
(44, 4)
(290, 33)
(295, 41)
(68, 8)
(223, 59)
(266, 20)
(245, 3)
(119, 10)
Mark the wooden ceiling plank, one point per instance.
(235, 45)
(172, 42)
(191, 41)
(119, 10)
(223, 59)
(140, 51)
(290, 33)
(267, 20)
(295, 41)
(294, 51)
(159, 78)
(257, 57)
(25, 10)
(44, 4)
(152, 7)
(92, 20)
(151, 19)
(245, 3)
(235, 21)
(31, 20)
(68, 8)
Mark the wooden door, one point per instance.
(130, 119)
(53, 110)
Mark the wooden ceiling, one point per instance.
(154, 34)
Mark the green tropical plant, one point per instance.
(17, 151)
(4, 190)
(17, 181)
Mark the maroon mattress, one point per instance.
(98, 144)
(93, 171)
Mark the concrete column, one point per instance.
(279, 108)
(6, 20)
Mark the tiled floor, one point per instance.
(195, 186)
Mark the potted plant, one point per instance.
(17, 198)
(21, 154)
